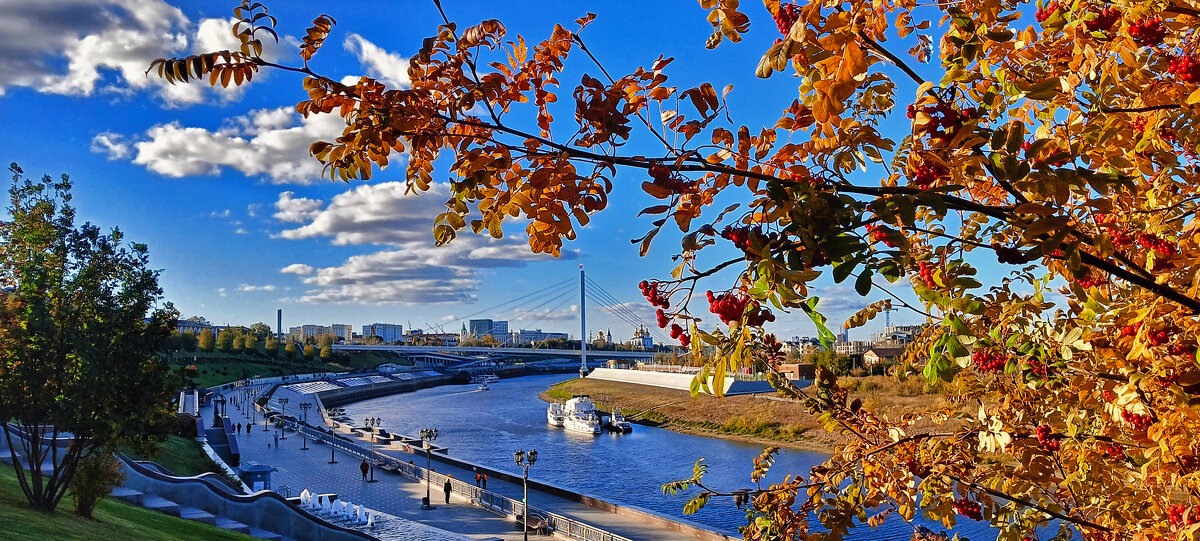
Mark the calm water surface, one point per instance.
(485, 427)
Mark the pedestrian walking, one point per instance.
(485, 480)
(477, 479)
(239, 428)
(364, 467)
(247, 430)
(276, 439)
(447, 488)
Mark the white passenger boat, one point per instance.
(554, 415)
(580, 415)
(484, 386)
(485, 378)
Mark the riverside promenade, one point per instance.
(401, 495)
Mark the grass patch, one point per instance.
(216, 368)
(185, 458)
(113, 520)
(750, 418)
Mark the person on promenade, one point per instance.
(447, 487)
(247, 430)
(484, 481)
(364, 467)
(276, 439)
(239, 429)
(477, 479)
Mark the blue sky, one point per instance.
(219, 183)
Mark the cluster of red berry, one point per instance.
(1046, 440)
(1162, 336)
(1139, 124)
(675, 184)
(944, 120)
(989, 360)
(1181, 348)
(968, 508)
(678, 332)
(926, 273)
(1092, 280)
(730, 307)
(1039, 368)
(663, 318)
(1006, 255)
(927, 173)
(1169, 379)
(1104, 20)
(1150, 240)
(787, 15)
(879, 234)
(1130, 330)
(1139, 421)
(1178, 515)
(1122, 238)
(1113, 450)
(1185, 67)
(1148, 31)
(742, 236)
(655, 293)
(1046, 11)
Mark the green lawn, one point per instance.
(185, 458)
(113, 520)
(216, 367)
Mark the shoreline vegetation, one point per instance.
(765, 419)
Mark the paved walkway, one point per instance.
(393, 493)
(400, 495)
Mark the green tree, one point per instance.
(95, 479)
(80, 336)
(272, 347)
(189, 341)
(260, 331)
(326, 353)
(238, 343)
(292, 350)
(326, 340)
(205, 341)
(250, 343)
(225, 340)
(310, 351)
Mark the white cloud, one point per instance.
(240, 231)
(411, 270)
(297, 268)
(81, 47)
(269, 142)
(220, 213)
(221, 291)
(252, 209)
(110, 144)
(250, 288)
(388, 68)
(296, 209)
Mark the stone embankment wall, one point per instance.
(676, 381)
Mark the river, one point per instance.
(486, 427)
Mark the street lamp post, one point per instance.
(428, 435)
(305, 406)
(525, 461)
(282, 413)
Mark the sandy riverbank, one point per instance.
(757, 419)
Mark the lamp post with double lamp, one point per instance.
(282, 413)
(374, 426)
(427, 437)
(304, 407)
(525, 461)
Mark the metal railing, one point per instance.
(491, 501)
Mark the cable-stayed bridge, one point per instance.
(530, 306)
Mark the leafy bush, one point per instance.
(94, 479)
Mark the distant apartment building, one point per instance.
(192, 327)
(344, 332)
(303, 332)
(419, 338)
(524, 336)
(853, 349)
(897, 336)
(386, 332)
(479, 328)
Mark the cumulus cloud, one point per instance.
(220, 213)
(297, 268)
(110, 144)
(82, 47)
(251, 288)
(269, 142)
(240, 231)
(410, 270)
(252, 209)
(296, 209)
(388, 68)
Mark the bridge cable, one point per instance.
(510, 301)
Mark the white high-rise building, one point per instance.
(386, 332)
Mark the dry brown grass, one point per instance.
(756, 418)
